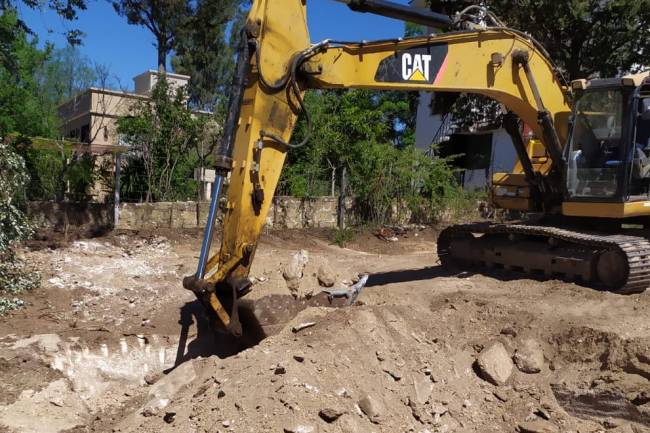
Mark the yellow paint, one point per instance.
(418, 76)
(218, 308)
(607, 210)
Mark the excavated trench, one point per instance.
(611, 379)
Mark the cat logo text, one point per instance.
(416, 67)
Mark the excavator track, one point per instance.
(616, 262)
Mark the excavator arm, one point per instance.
(277, 63)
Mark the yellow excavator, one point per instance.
(584, 181)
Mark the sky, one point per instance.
(128, 50)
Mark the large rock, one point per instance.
(494, 364)
(371, 407)
(422, 389)
(166, 388)
(326, 275)
(292, 272)
(529, 356)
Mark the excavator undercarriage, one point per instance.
(617, 262)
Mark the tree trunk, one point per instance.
(162, 58)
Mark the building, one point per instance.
(484, 152)
(90, 117)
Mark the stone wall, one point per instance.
(296, 213)
(286, 212)
(94, 218)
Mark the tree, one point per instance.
(23, 108)
(67, 72)
(205, 50)
(586, 38)
(371, 134)
(67, 10)
(164, 135)
(163, 18)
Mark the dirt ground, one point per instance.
(112, 343)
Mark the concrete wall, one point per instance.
(286, 212)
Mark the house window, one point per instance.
(85, 134)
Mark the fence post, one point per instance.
(341, 207)
(116, 192)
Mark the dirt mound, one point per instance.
(400, 368)
(113, 343)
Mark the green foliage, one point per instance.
(15, 277)
(10, 304)
(196, 31)
(163, 18)
(205, 50)
(66, 72)
(23, 108)
(371, 134)
(13, 178)
(165, 137)
(584, 37)
(342, 237)
(55, 173)
(66, 10)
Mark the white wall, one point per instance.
(426, 124)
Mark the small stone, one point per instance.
(625, 428)
(501, 395)
(302, 326)
(494, 364)
(279, 369)
(326, 275)
(438, 409)
(394, 373)
(538, 427)
(467, 404)
(529, 356)
(221, 393)
(371, 408)
(330, 414)
(169, 417)
(152, 377)
(299, 357)
(342, 392)
(509, 330)
(226, 423)
(543, 414)
(149, 411)
(300, 429)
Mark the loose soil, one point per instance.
(112, 342)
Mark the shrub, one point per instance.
(15, 275)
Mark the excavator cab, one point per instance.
(608, 152)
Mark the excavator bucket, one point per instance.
(270, 314)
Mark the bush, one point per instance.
(55, 172)
(15, 276)
(342, 237)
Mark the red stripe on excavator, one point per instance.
(441, 71)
